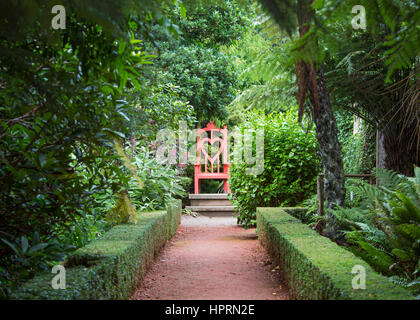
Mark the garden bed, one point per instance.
(113, 265)
(315, 267)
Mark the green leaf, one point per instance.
(42, 159)
(182, 11)
(114, 133)
(37, 247)
(11, 245)
(318, 4)
(35, 238)
(401, 254)
(24, 244)
(121, 46)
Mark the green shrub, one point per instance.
(59, 115)
(290, 166)
(112, 266)
(314, 266)
(203, 74)
(162, 182)
(30, 256)
(55, 157)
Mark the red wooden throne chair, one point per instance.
(214, 165)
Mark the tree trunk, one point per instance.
(402, 153)
(380, 150)
(310, 79)
(330, 152)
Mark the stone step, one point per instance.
(213, 211)
(210, 199)
(209, 196)
(210, 208)
(210, 202)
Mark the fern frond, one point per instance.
(390, 179)
(284, 13)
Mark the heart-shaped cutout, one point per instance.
(211, 142)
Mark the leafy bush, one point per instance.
(290, 166)
(311, 205)
(150, 187)
(162, 182)
(61, 106)
(83, 229)
(215, 25)
(204, 76)
(354, 210)
(29, 257)
(123, 211)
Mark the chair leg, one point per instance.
(226, 187)
(196, 185)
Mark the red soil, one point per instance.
(216, 262)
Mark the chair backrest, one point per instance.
(212, 136)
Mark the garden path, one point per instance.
(212, 259)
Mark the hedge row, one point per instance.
(298, 212)
(113, 265)
(314, 266)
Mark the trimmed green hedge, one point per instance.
(113, 265)
(314, 266)
(298, 212)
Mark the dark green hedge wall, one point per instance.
(314, 266)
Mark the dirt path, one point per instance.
(212, 258)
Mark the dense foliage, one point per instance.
(81, 107)
(380, 224)
(61, 108)
(358, 141)
(374, 73)
(205, 77)
(291, 165)
(386, 231)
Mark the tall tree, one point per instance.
(312, 85)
